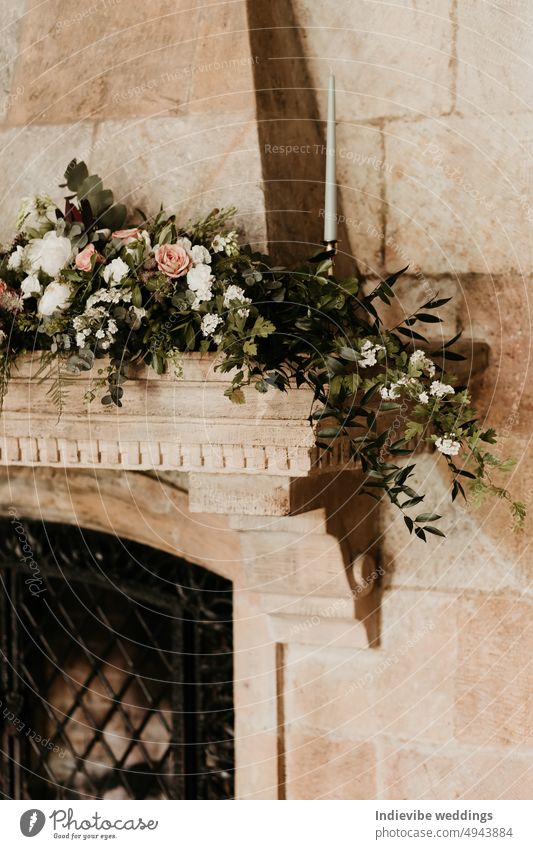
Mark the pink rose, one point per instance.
(83, 260)
(127, 236)
(172, 260)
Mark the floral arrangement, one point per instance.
(89, 282)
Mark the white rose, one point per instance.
(15, 260)
(199, 277)
(49, 254)
(184, 243)
(56, 297)
(115, 271)
(200, 280)
(30, 286)
(200, 254)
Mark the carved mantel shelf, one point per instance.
(166, 424)
(240, 458)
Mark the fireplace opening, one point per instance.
(116, 669)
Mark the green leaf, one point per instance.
(411, 334)
(330, 432)
(428, 517)
(349, 354)
(489, 436)
(369, 394)
(435, 531)
(391, 280)
(433, 305)
(114, 218)
(409, 522)
(334, 366)
(420, 534)
(75, 174)
(157, 363)
(428, 318)
(412, 501)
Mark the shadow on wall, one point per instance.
(291, 136)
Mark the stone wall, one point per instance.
(435, 150)
(435, 139)
(157, 97)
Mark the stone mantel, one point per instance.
(240, 458)
(169, 424)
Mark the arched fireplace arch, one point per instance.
(117, 668)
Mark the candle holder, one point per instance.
(331, 245)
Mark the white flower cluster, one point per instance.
(420, 362)
(369, 353)
(448, 444)
(391, 393)
(228, 244)
(95, 322)
(109, 296)
(439, 389)
(234, 297)
(210, 323)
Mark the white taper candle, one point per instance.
(330, 206)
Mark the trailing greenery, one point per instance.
(79, 287)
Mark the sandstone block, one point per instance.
(389, 60)
(457, 198)
(494, 56)
(323, 767)
(454, 773)
(494, 675)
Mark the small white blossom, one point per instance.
(419, 360)
(15, 260)
(210, 323)
(448, 444)
(423, 398)
(439, 389)
(100, 334)
(116, 271)
(200, 254)
(108, 296)
(369, 353)
(235, 293)
(2, 337)
(227, 244)
(390, 394)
